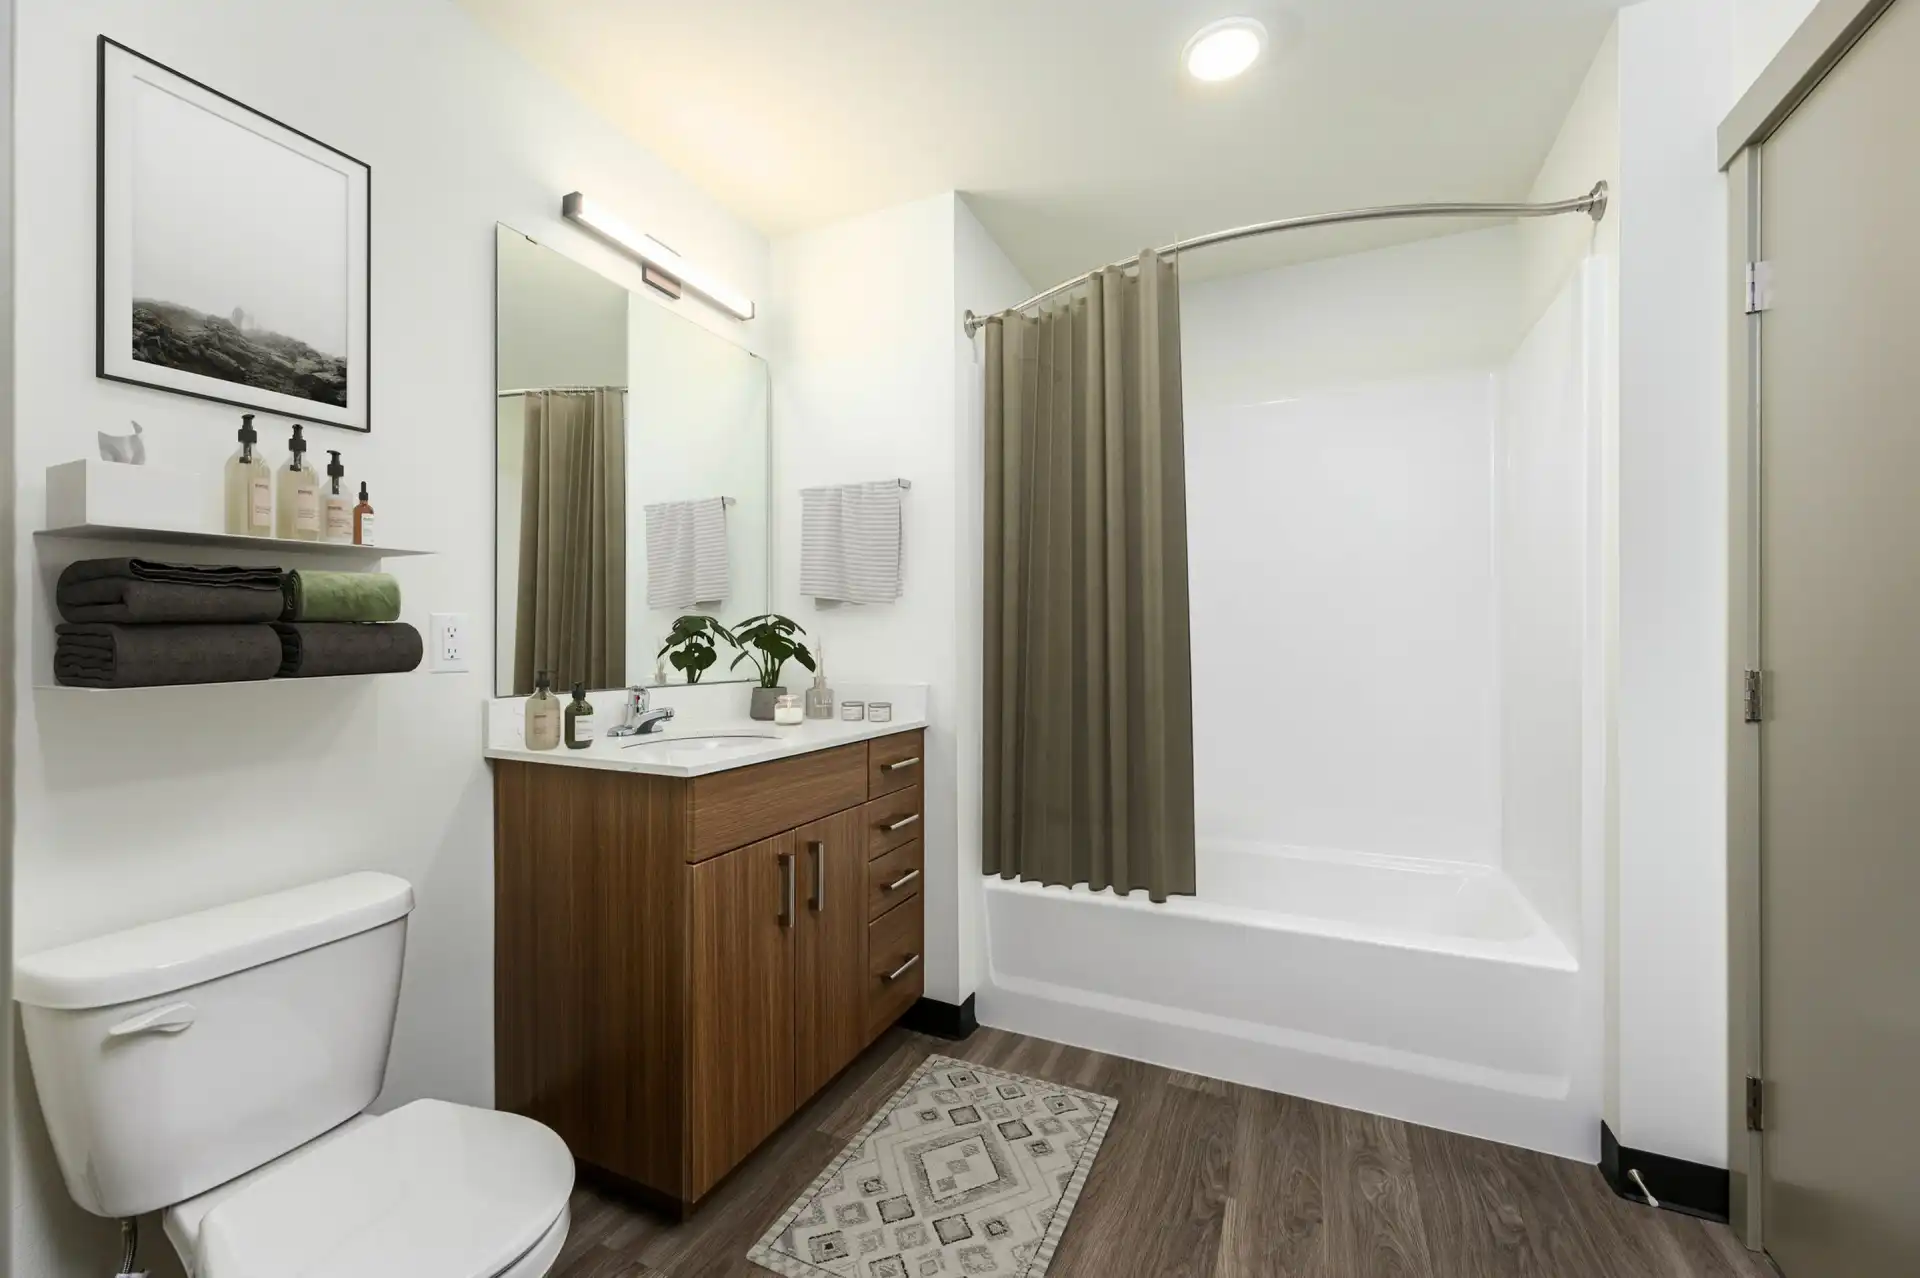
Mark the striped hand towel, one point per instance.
(850, 542)
(687, 553)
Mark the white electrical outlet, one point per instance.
(448, 653)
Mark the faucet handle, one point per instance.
(637, 702)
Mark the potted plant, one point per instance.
(692, 647)
(769, 642)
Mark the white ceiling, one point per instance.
(1068, 122)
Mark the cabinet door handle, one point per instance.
(902, 881)
(904, 763)
(902, 970)
(903, 822)
(786, 889)
(819, 851)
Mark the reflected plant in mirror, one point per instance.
(769, 641)
(691, 646)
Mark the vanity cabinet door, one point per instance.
(830, 960)
(743, 910)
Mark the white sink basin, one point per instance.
(706, 746)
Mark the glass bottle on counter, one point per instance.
(581, 725)
(543, 715)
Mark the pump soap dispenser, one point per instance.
(339, 520)
(297, 514)
(249, 487)
(543, 715)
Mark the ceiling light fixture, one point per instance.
(1222, 50)
(581, 211)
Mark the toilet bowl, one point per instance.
(218, 1067)
(431, 1190)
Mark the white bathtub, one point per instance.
(1424, 990)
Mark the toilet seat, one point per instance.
(431, 1190)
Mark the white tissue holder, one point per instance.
(114, 494)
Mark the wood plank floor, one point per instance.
(1205, 1179)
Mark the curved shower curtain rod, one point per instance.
(1593, 203)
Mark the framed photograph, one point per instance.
(233, 260)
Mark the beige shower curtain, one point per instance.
(572, 614)
(1088, 668)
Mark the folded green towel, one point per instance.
(341, 596)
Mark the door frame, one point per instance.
(1809, 55)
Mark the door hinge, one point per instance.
(1756, 1105)
(1759, 287)
(1754, 700)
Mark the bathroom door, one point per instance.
(1839, 633)
(829, 960)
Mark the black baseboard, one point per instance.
(1693, 1189)
(941, 1020)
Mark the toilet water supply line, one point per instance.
(129, 1248)
(1593, 204)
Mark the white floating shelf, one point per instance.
(178, 537)
(225, 683)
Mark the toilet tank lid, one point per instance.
(173, 954)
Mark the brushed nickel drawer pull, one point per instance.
(902, 881)
(904, 763)
(902, 970)
(819, 851)
(787, 877)
(903, 822)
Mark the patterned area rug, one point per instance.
(965, 1170)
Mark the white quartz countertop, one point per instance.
(707, 734)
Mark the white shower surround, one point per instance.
(1455, 985)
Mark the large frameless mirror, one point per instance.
(632, 476)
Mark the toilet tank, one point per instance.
(171, 1058)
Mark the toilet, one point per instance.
(217, 1067)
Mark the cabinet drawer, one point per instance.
(892, 821)
(732, 809)
(894, 763)
(896, 965)
(893, 878)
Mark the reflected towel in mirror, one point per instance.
(687, 553)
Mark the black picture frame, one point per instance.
(112, 258)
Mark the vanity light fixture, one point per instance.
(657, 258)
(1222, 50)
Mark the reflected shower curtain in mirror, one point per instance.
(572, 617)
(1088, 669)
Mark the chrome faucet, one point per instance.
(640, 719)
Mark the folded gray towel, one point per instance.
(315, 649)
(102, 655)
(143, 592)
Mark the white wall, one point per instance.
(865, 390)
(1343, 616)
(1675, 58)
(136, 806)
(1340, 503)
(874, 380)
(1431, 306)
(1542, 443)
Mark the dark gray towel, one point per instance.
(315, 649)
(111, 656)
(143, 592)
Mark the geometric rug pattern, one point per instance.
(965, 1170)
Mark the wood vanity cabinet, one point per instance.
(680, 964)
